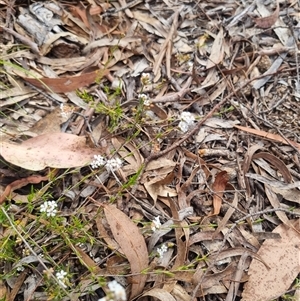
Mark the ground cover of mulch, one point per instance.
(149, 150)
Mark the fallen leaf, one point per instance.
(57, 150)
(269, 21)
(88, 261)
(277, 163)
(268, 136)
(282, 258)
(132, 243)
(156, 188)
(68, 83)
(218, 189)
(160, 294)
(21, 183)
(217, 52)
(129, 152)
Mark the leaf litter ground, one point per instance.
(199, 101)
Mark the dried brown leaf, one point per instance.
(132, 243)
(57, 150)
(21, 183)
(129, 152)
(18, 283)
(160, 294)
(277, 163)
(272, 197)
(88, 261)
(180, 293)
(68, 83)
(181, 245)
(267, 135)
(217, 50)
(214, 279)
(282, 258)
(218, 189)
(292, 195)
(269, 21)
(155, 188)
(228, 214)
(239, 251)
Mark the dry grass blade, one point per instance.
(132, 243)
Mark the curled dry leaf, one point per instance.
(282, 258)
(160, 294)
(21, 183)
(277, 163)
(57, 150)
(132, 243)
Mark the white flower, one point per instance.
(187, 120)
(184, 127)
(117, 290)
(187, 117)
(145, 99)
(156, 224)
(61, 277)
(49, 208)
(190, 65)
(113, 164)
(98, 161)
(145, 79)
(163, 249)
(66, 111)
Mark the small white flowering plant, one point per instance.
(49, 208)
(145, 99)
(111, 165)
(62, 278)
(187, 121)
(163, 249)
(145, 79)
(155, 224)
(116, 292)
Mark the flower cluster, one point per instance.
(163, 249)
(187, 120)
(113, 164)
(61, 277)
(155, 224)
(66, 111)
(145, 99)
(49, 207)
(145, 79)
(110, 165)
(117, 292)
(98, 161)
